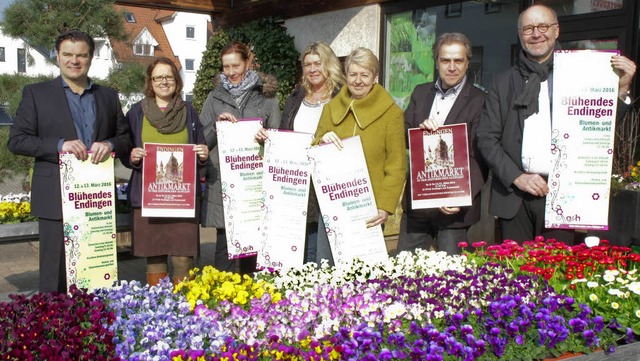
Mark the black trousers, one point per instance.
(529, 223)
(53, 270)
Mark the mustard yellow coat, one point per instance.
(380, 124)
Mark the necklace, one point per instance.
(318, 103)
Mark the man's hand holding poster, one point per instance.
(89, 216)
(585, 95)
(439, 167)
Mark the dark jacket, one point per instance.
(135, 117)
(42, 119)
(261, 102)
(500, 141)
(466, 109)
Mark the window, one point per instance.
(98, 49)
(189, 64)
(143, 49)
(2, 53)
(191, 32)
(575, 7)
(22, 61)
(129, 17)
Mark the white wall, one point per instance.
(344, 30)
(103, 59)
(10, 63)
(185, 48)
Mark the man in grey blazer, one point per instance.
(451, 99)
(516, 113)
(69, 114)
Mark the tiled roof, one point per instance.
(145, 18)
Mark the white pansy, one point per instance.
(615, 305)
(593, 297)
(591, 241)
(592, 284)
(634, 287)
(615, 292)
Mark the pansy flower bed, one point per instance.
(427, 306)
(602, 276)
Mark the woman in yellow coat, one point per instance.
(365, 108)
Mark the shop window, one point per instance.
(592, 44)
(575, 7)
(410, 35)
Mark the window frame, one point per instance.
(193, 32)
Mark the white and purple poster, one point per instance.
(89, 216)
(285, 190)
(343, 187)
(241, 168)
(585, 95)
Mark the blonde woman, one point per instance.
(322, 78)
(365, 108)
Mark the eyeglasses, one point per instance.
(529, 29)
(160, 78)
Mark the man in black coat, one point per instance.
(518, 155)
(69, 114)
(451, 99)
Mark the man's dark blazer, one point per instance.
(42, 119)
(466, 109)
(500, 141)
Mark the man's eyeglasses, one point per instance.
(160, 78)
(529, 29)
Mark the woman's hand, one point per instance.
(380, 218)
(136, 155)
(261, 135)
(226, 116)
(332, 137)
(202, 151)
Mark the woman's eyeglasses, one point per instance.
(160, 78)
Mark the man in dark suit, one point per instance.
(514, 135)
(451, 99)
(69, 114)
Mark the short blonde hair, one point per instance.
(365, 58)
(331, 67)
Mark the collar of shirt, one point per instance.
(451, 91)
(66, 85)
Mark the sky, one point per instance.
(4, 4)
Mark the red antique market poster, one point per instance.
(169, 181)
(439, 167)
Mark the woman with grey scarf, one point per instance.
(240, 92)
(163, 117)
